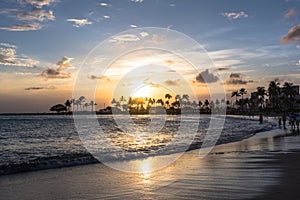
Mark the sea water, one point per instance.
(33, 142)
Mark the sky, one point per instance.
(46, 46)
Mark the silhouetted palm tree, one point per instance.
(200, 104)
(81, 101)
(289, 93)
(168, 96)
(206, 103)
(274, 95)
(68, 105)
(160, 101)
(236, 94)
(92, 104)
(261, 92)
(242, 92)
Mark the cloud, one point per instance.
(40, 88)
(234, 15)
(171, 71)
(137, 1)
(57, 73)
(223, 68)
(24, 73)
(133, 26)
(152, 84)
(172, 82)
(170, 62)
(29, 18)
(235, 75)
(237, 79)
(127, 38)
(293, 36)
(8, 45)
(104, 4)
(32, 26)
(234, 81)
(34, 14)
(78, 22)
(206, 77)
(9, 57)
(37, 3)
(298, 46)
(290, 13)
(94, 77)
(144, 34)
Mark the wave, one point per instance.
(83, 158)
(66, 160)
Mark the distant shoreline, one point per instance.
(92, 113)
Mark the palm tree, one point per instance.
(217, 103)
(68, 105)
(200, 104)
(236, 94)
(168, 96)
(274, 93)
(222, 102)
(81, 100)
(185, 99)
(160, 101)
(178, 97)
(261, 92)
(76, 103)
(176, 104)
(113, 101)
(168, 104)
(242, 92)
(92, 104)
(86, 105)
(290, 94)
(206, 103)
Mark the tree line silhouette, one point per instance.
(274, 99)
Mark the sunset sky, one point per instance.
(43, 44)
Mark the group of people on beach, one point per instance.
(294, 120)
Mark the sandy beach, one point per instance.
(262, 167)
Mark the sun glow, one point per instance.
(155, 91)
(144, 91)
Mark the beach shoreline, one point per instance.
(85, 158)
(271, 160)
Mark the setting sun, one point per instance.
(151, 91)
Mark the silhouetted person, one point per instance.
(284, 120)
(293, 121)
(297, 121)
(279, 122)
(261, 119)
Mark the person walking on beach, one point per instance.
(279, 122)
(284, 120)
(298, 121)
(292, 121)
(261, 119)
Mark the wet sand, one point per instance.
(261, 168)
(288, 186)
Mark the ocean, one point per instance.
(35, 142)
